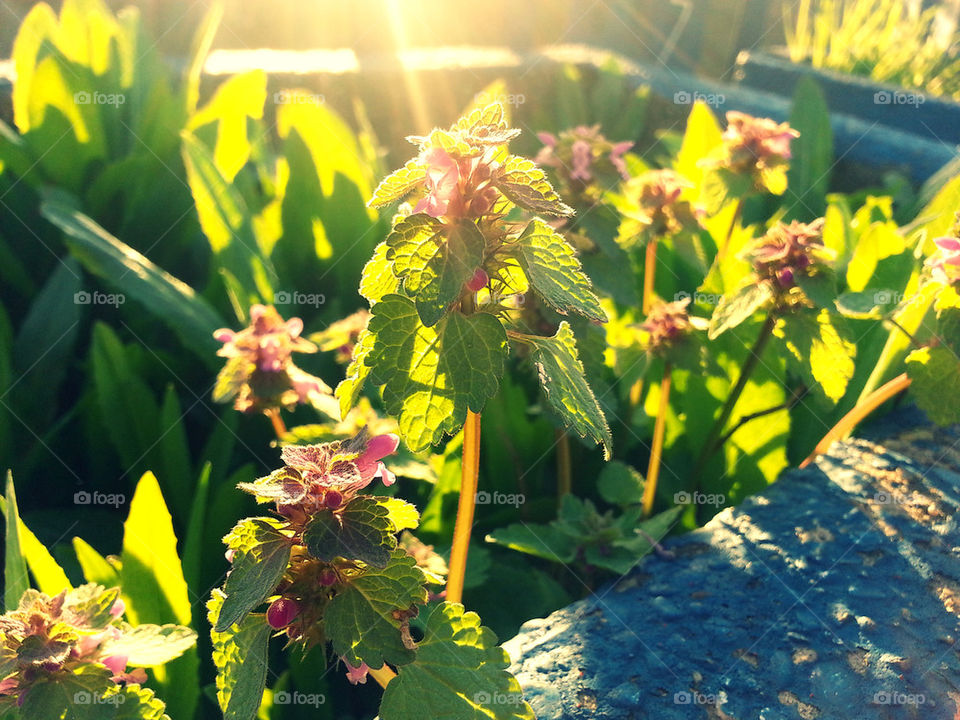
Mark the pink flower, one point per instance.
(443, 183)
(357, 674)
(753, 143)
(667, 325)
(457, 187)
(116, 663)
(369, 462)
(583, 157)
(788, 252)
(945, 262)
(119, 607)
(655, 203)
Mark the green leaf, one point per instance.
(820, 288)
(459, 674)
(348, 391)
(154, 589)
(174, 302)
(240, 656)
(822, 351)
(151, 645)
(543, 541)
(736, 308)
(47, 574)
(434, 260)
(15, 579)
(862, 305)
(554, 272)
(360, 620)
(398, 184)
(402, 514)
(361, 531)
(56, 696)
(700, 138)
(565, 386)
(378, 279)
(96, 568)
(526, 185)
(228, 225)
(620, 484)
(138, 703)
(262, 554)
(809, 175)
(432, 375)
(935, 376)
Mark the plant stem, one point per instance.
(649, 273)
(653, 469)
(382, 675)
(853, 418)
(466, 504)
(278, 426)
(469, 468)
(749, 365)
(733, 224)
(564, 472)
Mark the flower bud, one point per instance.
(478, 281)
(333, 499)
(282, 612)
(328, 577)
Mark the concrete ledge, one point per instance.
(835, 594)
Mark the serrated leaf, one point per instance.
(486, 126)
(451, 143)
(432, 375)
(360, 619)
(823, 353)
(133, 702)
(56, 696)
(459, 674)
(620, 484)
(151, 645)
(361, 531)
(554, 272)
(526, 185)
(565, 386)
(935, 376)
(348, 391)
(378, 278)
(820, 288)
(261, 555)
(738, 307)
(398, 184)
(434, 260)
(240, 656)
(402, 514)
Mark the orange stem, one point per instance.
(649, 273)
(653, 469)
(278, 425)
(382, 675)
(853, 418)
(469, 468)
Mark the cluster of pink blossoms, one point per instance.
(458, 187)
(655, 204)
(944, 264)
(753, 143)
(787, 252)
(583, 156)
(667, 325)
(260, 373)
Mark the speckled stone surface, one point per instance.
(835, 595)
